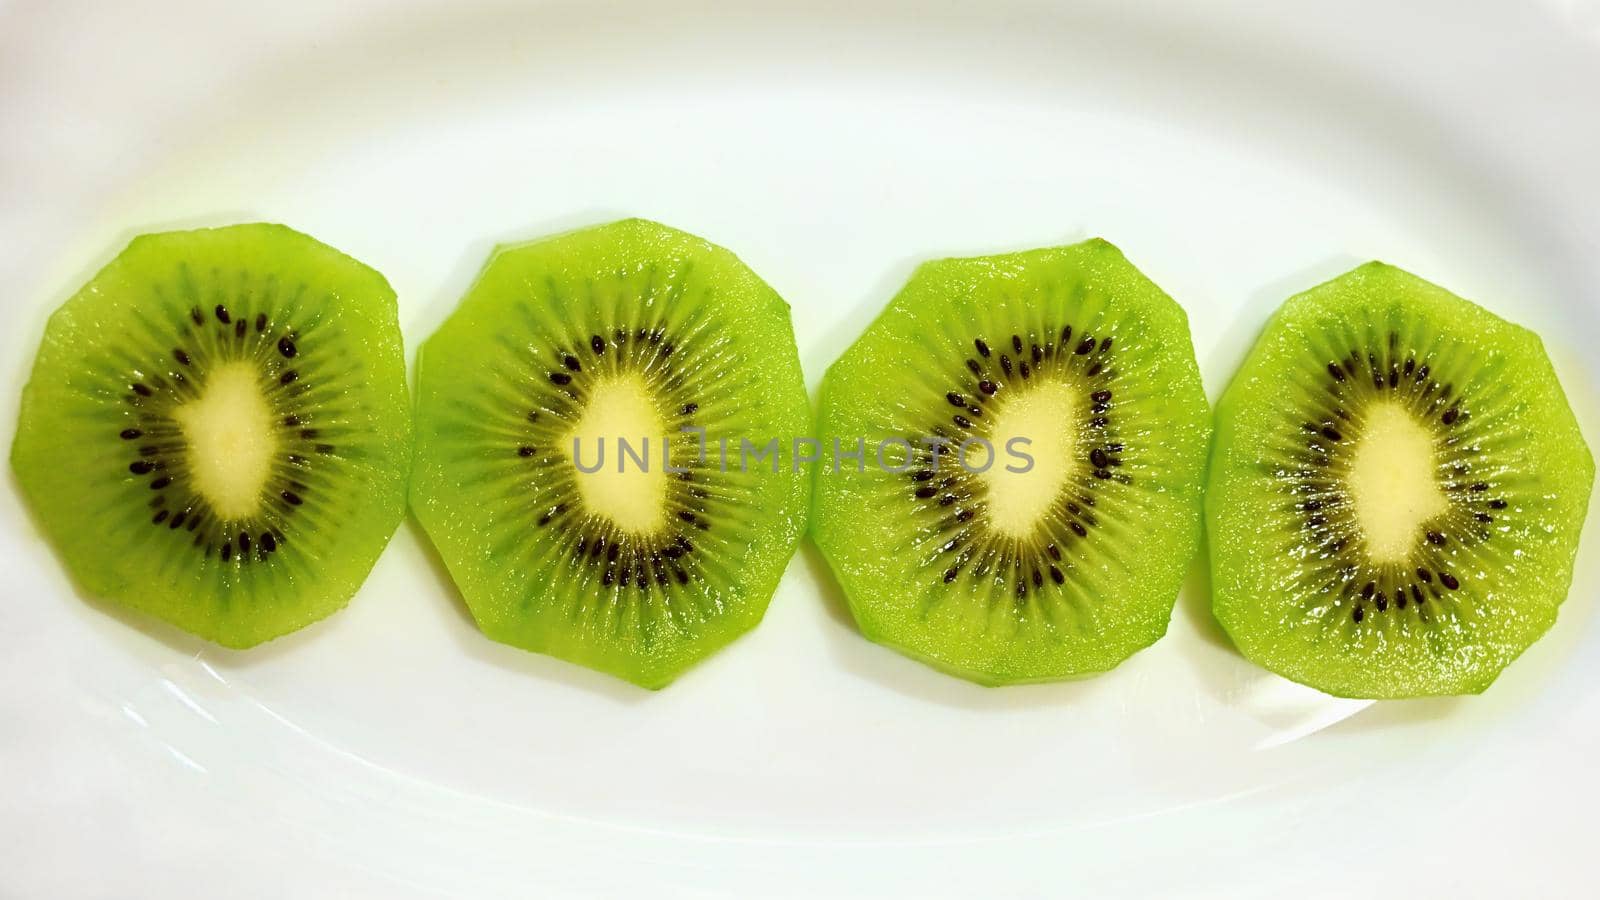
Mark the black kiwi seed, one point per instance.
(1005, 364)
(597, 344)
(288, 376)
(1099, 458)
(222, 314)
(1449, 581)
(196, 316)
(287, 348)
(983, 349)
(141, 389)
(1085, 346)
(987, 387)
(291, 498)
(571, 362)
(525, 451)
(261, 322)
(560, 378)
(129, 434)
(140, 467)
(973, 365)
(956, 400)
(160, 483)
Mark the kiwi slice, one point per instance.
(1396, 491)
(605, 433)
(216, 430)
(953, 548)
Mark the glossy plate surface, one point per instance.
(1236, 156)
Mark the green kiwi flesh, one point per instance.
(998, 576)
(216, 430)
(1396, 493)
(563, 348)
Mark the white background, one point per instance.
(1237, 157)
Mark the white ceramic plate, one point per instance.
(1237, 156)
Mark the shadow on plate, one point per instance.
(521, 663)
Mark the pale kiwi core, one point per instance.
(1392, 482)
(1047, 416)
(228, 433)
(630, 494)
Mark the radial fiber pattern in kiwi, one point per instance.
(1461, 396)
(107, 463)
(506, 380)
(528, 408)
(303, 379)
(1295, 581)
(947, 498)
(924, 568)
